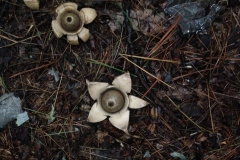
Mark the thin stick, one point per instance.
(150, 88)
(185, 115)
(167, 35)
(45, 65)
(145, 71)
(147, 58)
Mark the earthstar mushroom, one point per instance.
(70, 22)
(32, 4)
(113, 101)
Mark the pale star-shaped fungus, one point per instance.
(70, 22)
(113, 101)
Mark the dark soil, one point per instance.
(192, 85)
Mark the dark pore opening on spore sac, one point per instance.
(69, 19)
(111, 104)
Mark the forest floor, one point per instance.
(192, 83)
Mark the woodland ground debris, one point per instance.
(191, 83)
